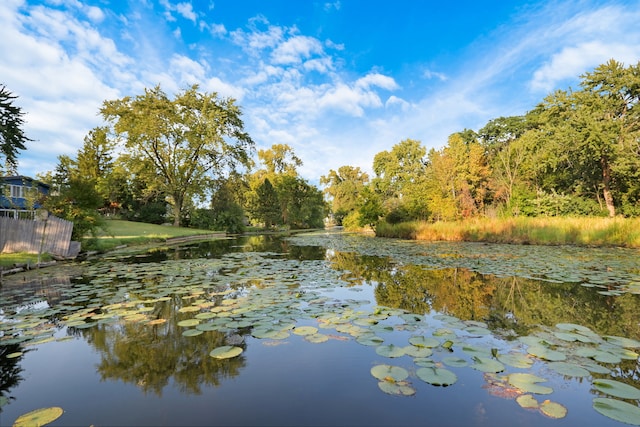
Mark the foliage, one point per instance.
(344, 187)
(181, 144)
(12, 137)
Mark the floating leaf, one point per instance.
(616, 388)
(188, 323)
(546, 353)
(528, 383)
(420, 341)
(553, 409)
(317, 338)
(455, 362)
(527, 401)
(516, 360)
(386, 372)
(484, 364)
(437, 376)
(191, 332)
(225, 352)
(39, 417)
(569, 369)
(369, 339)
(617, 410)
(390, 351)
(413, 351)
(305, 330)
(622, 341)
(14, 355)
(397, 388)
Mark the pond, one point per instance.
(326, 328)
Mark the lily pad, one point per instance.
(389, 372)
(316, 338)
(390, 351)
(529, 383)
(484, 364)
(420, 341)
(369, 339)
(546, 353)
(569, 369)
(39, 417)
(617, 410)
(455, 362)
(616, 388)
(413, 351)
(225, 352)
(553, 409)
(401, 388)
(622, 341)
(516, 360)
(305, 330)
(188, 323)
(191, 332)
(527, 401)
(437, 376)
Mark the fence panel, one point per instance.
(20, 235)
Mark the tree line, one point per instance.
(188, 160)
(576, 153)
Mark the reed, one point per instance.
(582, 231)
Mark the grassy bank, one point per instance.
(623, 232)
(119, 232)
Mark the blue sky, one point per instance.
(337, 80)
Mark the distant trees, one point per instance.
(575, 153)
(12, 137)
(180, 145)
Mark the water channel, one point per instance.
(327, 328)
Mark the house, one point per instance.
(17, 192)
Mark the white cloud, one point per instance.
(428, 74)
(573, 61)
(186, 10)
(293, 50)
(214, 84)
(376, 79)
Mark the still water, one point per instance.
(454, 329)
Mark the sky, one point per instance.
(337, 80)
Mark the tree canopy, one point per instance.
(12, 137)
(179, 145)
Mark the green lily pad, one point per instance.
(413, 351)
(622, 341)
(225, 352)
(305, 330)
(188, 323)
(617, 410)
(455, 362)
(527, 401)
(437, 376)
(14, 355)
(546, 353)
(593, 367)
(39, 417)
(401, 388)
(616, 388)
(528, 383)
(387, 372)
(191, 332)
(370, 340)
(569, 369)
(316, 338)
(516, 360)
(390, 351)
(553, 409)
(420, 341)
(484, 364)
(424, 362)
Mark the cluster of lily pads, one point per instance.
(272, 298)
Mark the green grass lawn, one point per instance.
(117, 233)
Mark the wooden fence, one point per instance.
(52, 236)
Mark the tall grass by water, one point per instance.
(583, 231)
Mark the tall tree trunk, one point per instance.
(606, 191)
(177, 210)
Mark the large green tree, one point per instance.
(12, 137)
(344, 187)
(186, 141)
